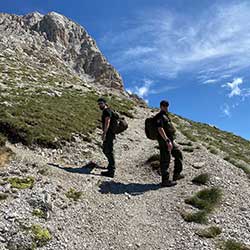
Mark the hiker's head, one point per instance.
(164, 105)
(101, 103)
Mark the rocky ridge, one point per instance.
(54, 42)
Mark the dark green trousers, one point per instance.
(165, 157)
(108, 150)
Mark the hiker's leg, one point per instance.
(109, 152)
(164, 159)
(178, 160)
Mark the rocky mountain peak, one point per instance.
(58, 37)
(32, 18)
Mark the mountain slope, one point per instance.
(129, 212)
(51, 73)
(230, 147)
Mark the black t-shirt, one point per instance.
(163, 121)
(106, 113)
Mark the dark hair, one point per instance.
(101, 100)
(164, 103)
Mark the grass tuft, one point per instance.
(73, 194)
(206, 199)
(234, 245)
(41, 236)
(21, 183)
(201, 179)
(210, 232)
(213, 150)
(197, 217)
(39, 213)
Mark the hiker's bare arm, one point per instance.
(163, 134)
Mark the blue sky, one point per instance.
(193, 53)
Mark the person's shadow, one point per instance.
(110, 186)
(113, 187)
(87, 169)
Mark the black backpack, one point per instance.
(151, 130)
(118, 124)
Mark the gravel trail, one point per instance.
(130, 211)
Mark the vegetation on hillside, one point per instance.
(232, 148)
(44, 103)
(48, 120)
(210, 232)
(233, 245)
(206, 201)
(201, 179)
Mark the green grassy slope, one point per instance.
(36, 107)
(232, 148)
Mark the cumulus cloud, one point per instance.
(236, 90)
(142, 90)
(149, 87)
(234, 87)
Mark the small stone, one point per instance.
(243, 209)
(127, 195)
(198, 165)
(3, 240)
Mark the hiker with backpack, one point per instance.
(160, 128)
(112, 124)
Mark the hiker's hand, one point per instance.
(169, 145)
(104, 136)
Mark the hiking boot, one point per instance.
(178, 177)
(108, 173)
(165, 182)
(168, 183)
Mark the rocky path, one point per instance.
(130, 211)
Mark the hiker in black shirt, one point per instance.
(107, 137)
(167, 147)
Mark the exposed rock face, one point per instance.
(53, 37)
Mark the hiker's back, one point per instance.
(151, 129)
(167, 124)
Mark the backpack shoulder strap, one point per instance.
(115, 114)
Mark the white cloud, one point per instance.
(164, 44)
(209, 81)
(142, 90)
(129, 91)
(226, 110)
(234, 87)
(138, 51)
(148, 87)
